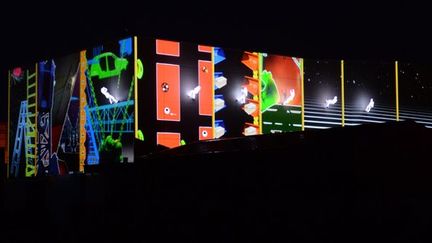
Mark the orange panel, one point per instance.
(205, 73)
(168, 48)
(205, 49)
(168, 92)
(205, 133)
(250, 60)
(252, 85)
(168, 139)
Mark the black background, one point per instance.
(363, 30)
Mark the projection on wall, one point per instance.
(175, 93)
(108, 103)
(236, 97)
(23, 120)
(322, 81)
(58, 115)
(369, 92)
(415, 89)
(281, 94)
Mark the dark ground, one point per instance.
(359, 184)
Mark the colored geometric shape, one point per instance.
(251, 107)
(125, 47)
(168, 139)
(168, 92)
(205, 133)
(168, 48)
(205, 70)
(250, 60)
(252, 85)
(220, 82)
(219, 55)
(250, 129)
(219, 103)
(202, 48)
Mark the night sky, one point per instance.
(37, 31)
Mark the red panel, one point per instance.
(168, 101)
(168, 139)
(205, 133)
(168, 48)
(205, 49)
(205, 74)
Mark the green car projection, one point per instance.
(107, 65)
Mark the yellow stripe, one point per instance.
(397, 89)
(260, 67)
(36, 120)
(136, 86)
(213, 94)
(302, 92)
(343, 92)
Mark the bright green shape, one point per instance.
(140, 135)
(107, 65)
(269, 91)
(182, 142)
(140, 69)
(111, 150)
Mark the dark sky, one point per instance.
(36, 31)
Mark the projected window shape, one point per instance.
(415, 92)
(168, 48)
(168, 139)
(205, 80)
(322, 94)
(205, 133)
(369, 92)
(168, 92)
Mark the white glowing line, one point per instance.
(364, 120)
(323, 117)
(370, 105)
(316, 127)
(111, 98)
(416, 118)
(192, 93)
(423, 122)
(324, 122)
(290, 97)
(330, 102)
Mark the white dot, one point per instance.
(204, 133)
(167, 110)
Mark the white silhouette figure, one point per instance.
(290, 97)
(192, 94)
(330, 102)
(243, 94)
(370, 105)
(111, 98)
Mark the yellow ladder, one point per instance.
(31, 124)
